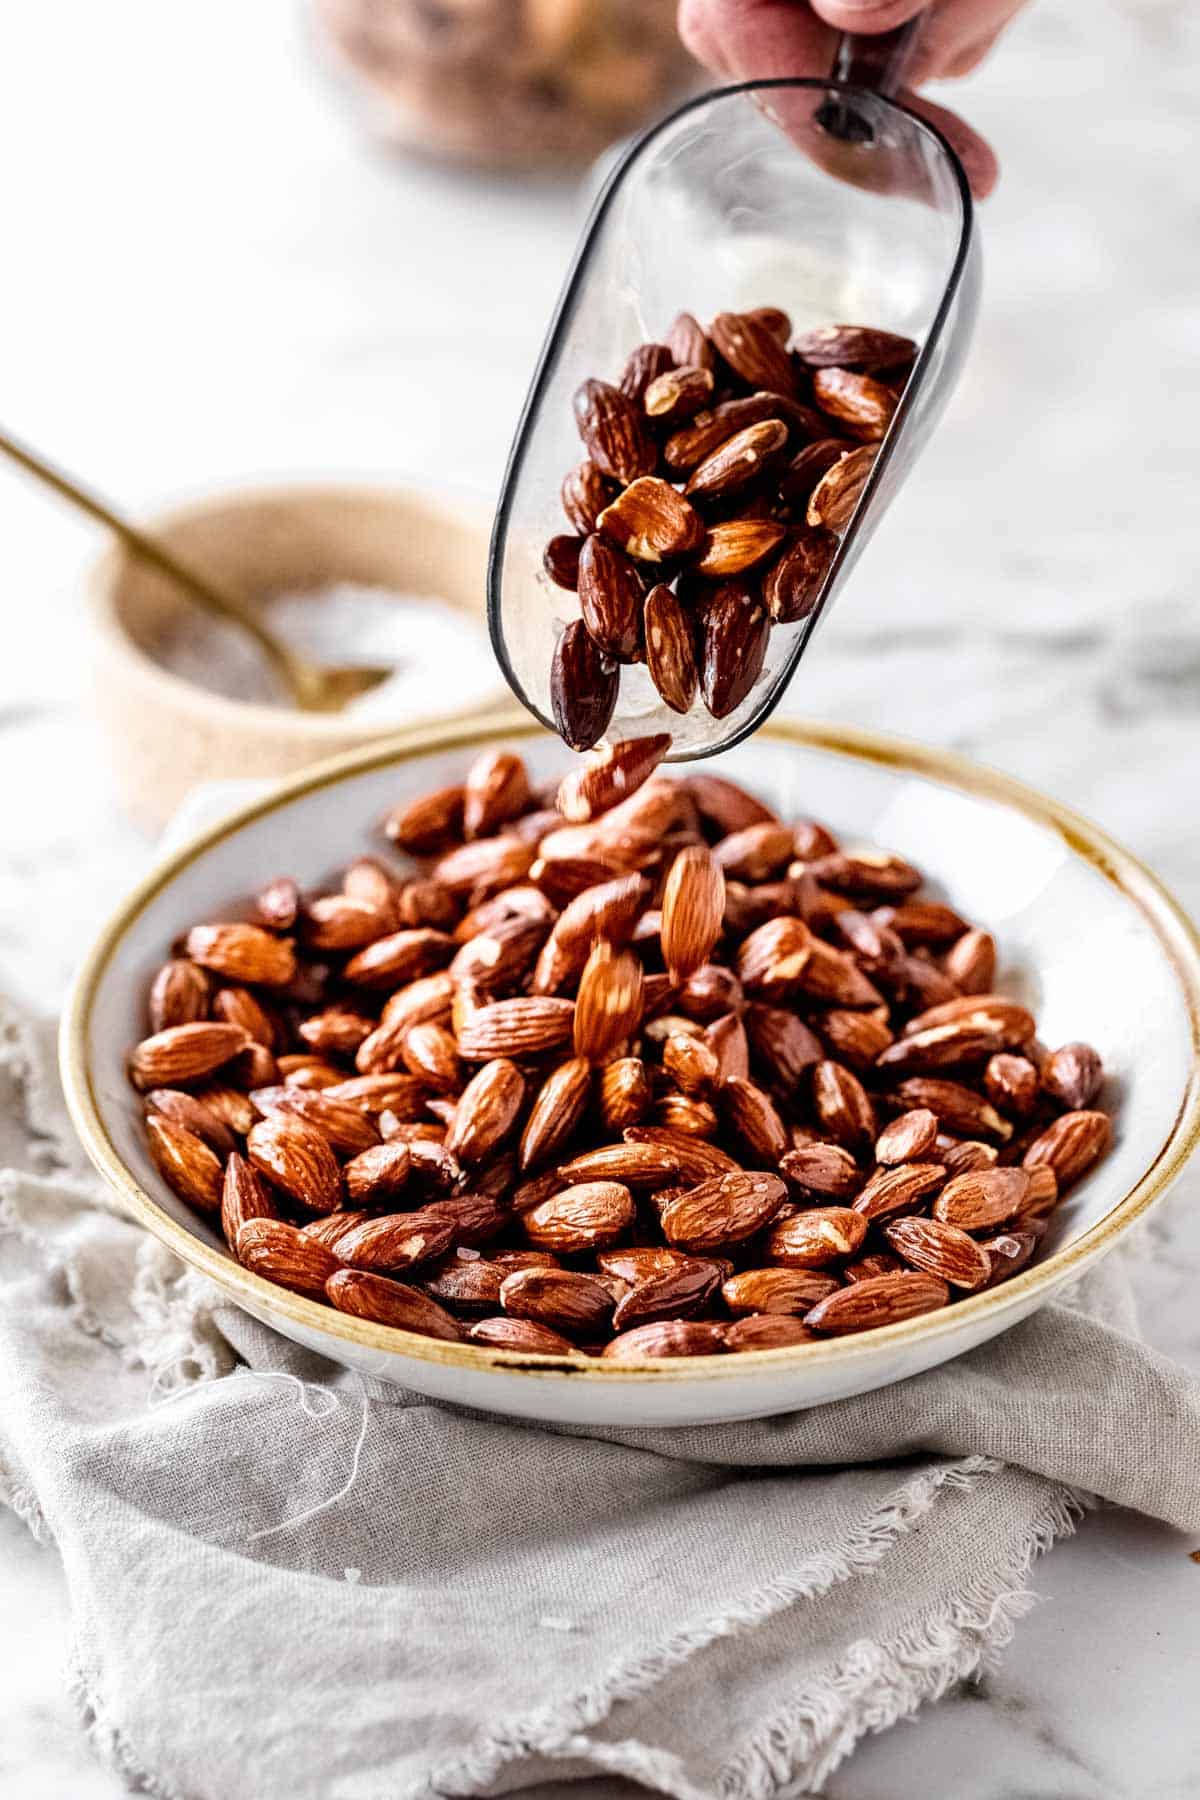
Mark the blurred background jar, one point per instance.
(523, 84)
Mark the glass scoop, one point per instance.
(824, 198)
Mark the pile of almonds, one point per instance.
(721, 472)
(635, 1069)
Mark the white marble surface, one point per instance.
(210, 278)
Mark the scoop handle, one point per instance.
(878, 62)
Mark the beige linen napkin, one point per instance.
(288, 1582)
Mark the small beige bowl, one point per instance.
(166, 734)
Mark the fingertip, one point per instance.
(866, 16)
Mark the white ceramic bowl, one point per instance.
(1088, 937)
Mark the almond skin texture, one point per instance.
(1071, 1145)
(295, 1158)
(586, 491)
(185, 1163)
(526, 1026)
(781, 1291)
(832, 502)
(556, 1111)
(753, 351)
(678, 394)
(583, 687)
(732, 547)
(585, 1216)
(609, 1003)
(674, 1293)
(190, 1113)
(693, 907)
(940, 1249)
(738, 461)
(670, 646)
(487, 1111)
(286, 1256)
(182, 1053)
(880, 1300)
(652, 522)
(614, 432)
(724, 1210)
(900, 1189)
(842, 1106)
(390, 1303)
(396, 1241)
(852, 347)
(822, 1169)
(983, 1199)
(909, 1138)
(636, 1165)
(574, 1304)
(179, 995)
(609, 775)
(524, 1335)
(735, 628)
(377, 1174)
(794, 582)
(243, 953)
(624, 1093)
(244, 1196)
(816, 1238)
(860, 404)
(767, 1331)
(344, 1125)
(1072, 1076)
(667, 1337)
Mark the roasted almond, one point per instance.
(496, 792)
(738, 461)
(751, 1116)
(182, 1053)
(823, 1169)
(473, 1218)
(526, 1026)
(1072, 1076)
(397, 1240)
(344, 1124)
(833, 501)
(797, 481)
(852, 347)
(670, 648)
(336, 922)
(583, 687)
(971, 962)
(688, 344)
(734, 545)
(179, 995)
(982, 1198)
(779, 1291)
(1008, 1253)
(243, 953)
(277, 905)
(782, 1044)
(522, 1335)
(466, 1282)
(296, 1158)
(693, 906)
(960, 1110)
(953, 1046)
(861, 405)
(643, 366)
(586, 491)
(487, 1111)
(674, 1293)
(386, 1302)
(608, 1005)
(880, 1300)
(585, 1216)
(814, 1238)
(286, 1256)
(678, 394)
(609, 775)
(191, 1113)
(426, 823)
(614, 432)
(767, 1331)
(393, 961)
(556, 1112)
(651, 522)
(991, 1011)
(772, 959)
(842, 1106)
(753, 351)
(1071, 1145)
(665, 1337)
(794, 582)
(908, 1138)
(726, 1209)
(624, 1093)
(639, 1165)
(940, 1249)
(1012, 1083)
(574, 1304)
(377, 1174)
(185, 1162)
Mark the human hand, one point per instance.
(745, 40)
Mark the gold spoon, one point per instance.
(312, 686)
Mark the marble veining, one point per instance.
(301, 306)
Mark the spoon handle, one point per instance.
(879, 62)
(150, 550)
